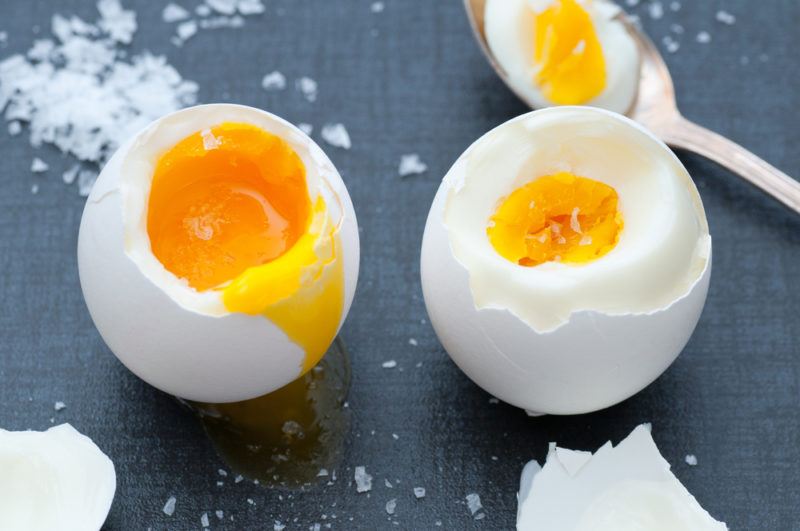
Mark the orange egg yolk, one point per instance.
(559, 217)
(226, 199)
(568, 54)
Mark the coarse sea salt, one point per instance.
(169, 507)
(79, 92)
(59, 406)
(419, 492)
(336, 135)
(377, 7)
(362, 479)
(691, 460)
(174, 13)
(474, 503)
(655, 10)
(391, 506)
(204, 520)
(307, 87)
(703, 37)
(273, 81)
(39, 166)
(726, 18)
(306, 128)
(391, 364)
(411, 164)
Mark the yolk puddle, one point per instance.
(559, 217)
(229, 210)
(568, 54)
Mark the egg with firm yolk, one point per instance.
(218, 253)
(564, 52)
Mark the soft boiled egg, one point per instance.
(565, 260)
(218, 253)
(564, 52)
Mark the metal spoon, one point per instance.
(655, 108)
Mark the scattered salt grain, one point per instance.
(377, 7)
(413, 342)
(187, 30)
(363, 480)
(308, 88)
(391, 364)
(3, 37)
(474, 503)
(119, 23)
(323, 472)
(336, 135)
(391, 506)
(226, 7)
(59, 406)
(675, 6)
(632, 3)
(655, 10)
(39, 166)
(306, 128)
(494, 401)
(222, 21)
(220, 514)
(204, 520)
(574, 222)
(174, 13)
(202, 10)
(726, 18)
(395, 437)
(238, 479)
(585, 240)
(250, 7)
(676, 28)
(169, 507)
(86, 179)
(419, 492)
(388, 484)
(704, 37)
(222, 472)
(14, 128)
(691, 460)
(273, 81)
(278, 526)
(670, 44)
(411, 165)
(210, 142)
(250, 501)
(34, 189)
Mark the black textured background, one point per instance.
(411, 79)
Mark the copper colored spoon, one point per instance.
(655, 108)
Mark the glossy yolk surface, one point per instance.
(568, 54)
(559, 217)
(226, 199)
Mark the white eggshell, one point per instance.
(211, 358)
(590, 362)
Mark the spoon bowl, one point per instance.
(655, 108)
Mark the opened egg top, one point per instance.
(564, 52)
(565, 260)
(218, 253)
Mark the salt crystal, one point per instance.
(704, 37)
(726, 18)
(377, 7)
(202, 10)
(204, 520)
(395, 436)
(3, 37)
(411, 165)
(119, 23)
(413, 342)
(336, 135)
(474, 503)
(419, 492)
(307, 87)
(86, 179)
(222, 21)
(226, 7)
(278, 526)
(391, 364)
(187, 30)
(306, 128)
(273, 81)
(34, 189)
(238, 479)
(210, 142)
(39, 166)
(323, 472)
(655, 10)
(574, 222)
(174, 13)
(14, 128)
(250, 501)
(632, 3)
(220, 514)
(363, 480)
(222, 472)
(391, 505)
(59, 406)
(586, 240)
(691, 460)
(676, 28)
(169, 507)
(250, 7)
(675, 6)
(388, 484)
(670, 44)
(71, 174)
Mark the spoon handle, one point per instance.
(682, 133)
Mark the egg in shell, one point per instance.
(565, 260)
(564, 52)
(218, 253)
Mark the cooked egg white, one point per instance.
(565, 259)
(628, 487)
(218, 253)
(564, 52)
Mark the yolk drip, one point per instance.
(224, 200)
(568, 53)
(560, 217)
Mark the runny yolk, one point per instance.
(559, 217)
(568, 54)
(224, 200)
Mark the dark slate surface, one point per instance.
(411, 80)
